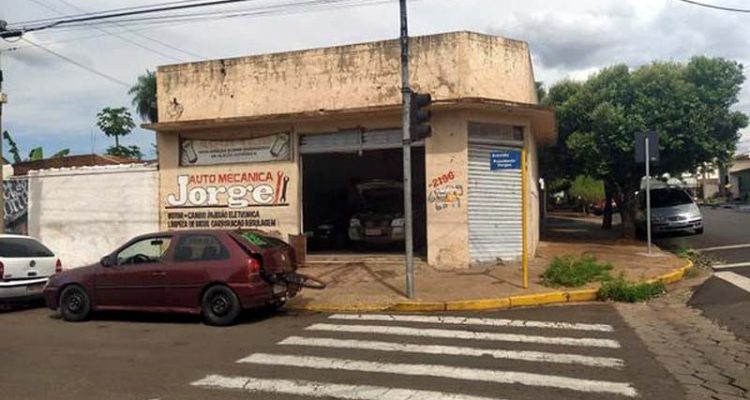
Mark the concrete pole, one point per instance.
(648, 194)
(406, 92)
(2, 165)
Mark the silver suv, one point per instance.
(672, 210)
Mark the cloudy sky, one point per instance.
(53, 103)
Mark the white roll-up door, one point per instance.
(495, 232)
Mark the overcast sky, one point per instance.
(53, 103)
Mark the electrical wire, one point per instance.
(43, 20)
(119, 36)
(157, 41)
(76, 63)
(287, 8)
(715, 7)
(112, 15)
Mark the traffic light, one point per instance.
(420, 116)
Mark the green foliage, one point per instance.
(144, 96)
(36, 154)
(700, 261)
(688, 104)
(133, 152)
(61, 153)
(587, 189)
(115, 122)
(620, 289)
(12, 147)
(570, 271)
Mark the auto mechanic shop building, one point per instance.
(279, 141)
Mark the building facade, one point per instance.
(287, 142)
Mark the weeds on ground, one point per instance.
(701, 262)
(620, 289)
(570, 271)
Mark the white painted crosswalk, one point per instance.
(406, 357)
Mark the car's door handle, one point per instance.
(159, 273)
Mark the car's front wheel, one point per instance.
(220, 306)
(75, 304)
(699, 231)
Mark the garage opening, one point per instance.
(352, 193)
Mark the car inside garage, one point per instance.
(352, 192)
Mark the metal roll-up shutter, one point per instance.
(350, 141)
(495, 232)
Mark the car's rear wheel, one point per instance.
(220, 306)
(75, 304)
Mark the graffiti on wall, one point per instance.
(227, 200)
(16, 195)
(444, 194)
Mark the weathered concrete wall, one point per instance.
(449, 66)
(115, 204)
(447, 168)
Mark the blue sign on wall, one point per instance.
(505, 159)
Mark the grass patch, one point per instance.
(623, 290)
(570, 271)
(701, 262)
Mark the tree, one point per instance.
(35, 154)
(144, 97)
(687, 104)
(115, 122)
(125, 152)
(586, 190)
(12, 147)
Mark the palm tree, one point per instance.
(144, 96)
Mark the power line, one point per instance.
(715, 7)
(123, 38)
(76, 63)
(124, 14)
(287, 8)
(310, 5)
(167, 45)
(43, 20)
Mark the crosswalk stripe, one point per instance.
(533, 356)
(323, 389)
(735, 265)
(462, 334)
(444, 371)
(735, 279)
(475, 321)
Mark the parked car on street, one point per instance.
(216, 273)
(25, 266)
(672, 210)
(380, 219)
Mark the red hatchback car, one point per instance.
(215, 273)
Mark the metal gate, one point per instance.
(350, 141)
(495, 231)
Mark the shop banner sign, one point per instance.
(16, 197)
(505, 159)
(213, 152)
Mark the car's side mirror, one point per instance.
(106, 261)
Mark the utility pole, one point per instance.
(406, 126)
(3, 99)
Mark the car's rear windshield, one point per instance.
(669, 198)
(23, 248)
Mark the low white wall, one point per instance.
(84, 213)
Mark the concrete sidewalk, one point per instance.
(373, 285)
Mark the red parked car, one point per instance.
(215, 273)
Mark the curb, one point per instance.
(531, 300)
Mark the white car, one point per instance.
(25, 267)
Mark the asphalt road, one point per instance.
(290, 356)
(725, 297)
